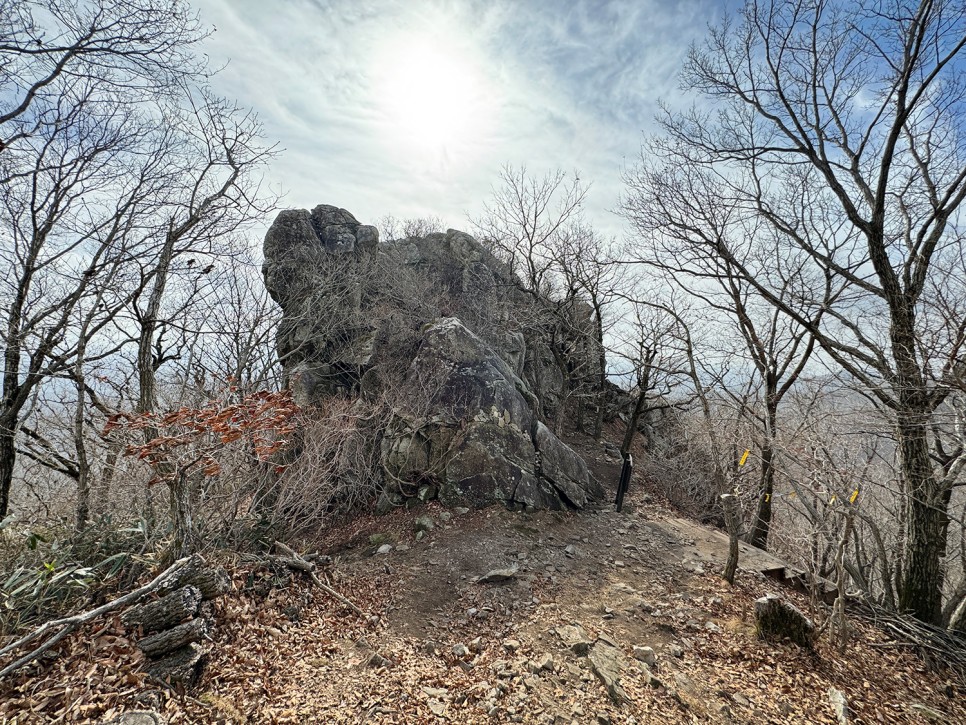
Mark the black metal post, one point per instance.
(625, 480)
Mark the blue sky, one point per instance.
(410, 107)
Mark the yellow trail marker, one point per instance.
(831, 500)
(744, 457)
(855, 495)
(767, 497)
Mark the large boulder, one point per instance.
(470, 426)
(315, 268)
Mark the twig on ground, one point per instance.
(295, 561)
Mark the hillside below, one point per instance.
(597, 617)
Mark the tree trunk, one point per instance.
(632, 423)
(731, 521)
(601, 371)
(8, 456)
(920, 589)
(181, 667)
(758, 536)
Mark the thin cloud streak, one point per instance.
(570, 85)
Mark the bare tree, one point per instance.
(117, 160)
(533, 225)
(836, 135)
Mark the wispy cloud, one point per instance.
(563, 84)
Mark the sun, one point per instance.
(433, 99)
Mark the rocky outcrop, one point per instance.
(315, 268)
(424, 322)
(471, 427)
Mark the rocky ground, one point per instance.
(598, 617)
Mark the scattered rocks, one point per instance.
(778, 619)
(543, 663)
(460, 650)
(476, 645)
(741, 700)
(384, 549)
(137, 717)
(427, 493)
(675, 651)
(377, 660)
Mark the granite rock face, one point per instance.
(423, 321)
(315, 265)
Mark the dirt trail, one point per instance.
(449, 649)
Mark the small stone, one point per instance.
(137, 717)
(377, 660)
(379, 539)
(402, 547)
(461, 510)
(384, 549)
(424, 523)
(498, 575)
(712, 627)
(476, 645)
(545, 662)
(645, 655)
(575, 638)
(511, 645)
(619, 564)
(460, 650)
(426, 493)
(570, 551)
(840, 705)
(445, 516)
(675, 651)
(741, 700)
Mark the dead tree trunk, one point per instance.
(729, 504)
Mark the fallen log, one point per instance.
(162, 643)
(181, 667)
(212, 582)
(165, 612)
(63, 627)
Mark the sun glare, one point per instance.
(433, 100)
